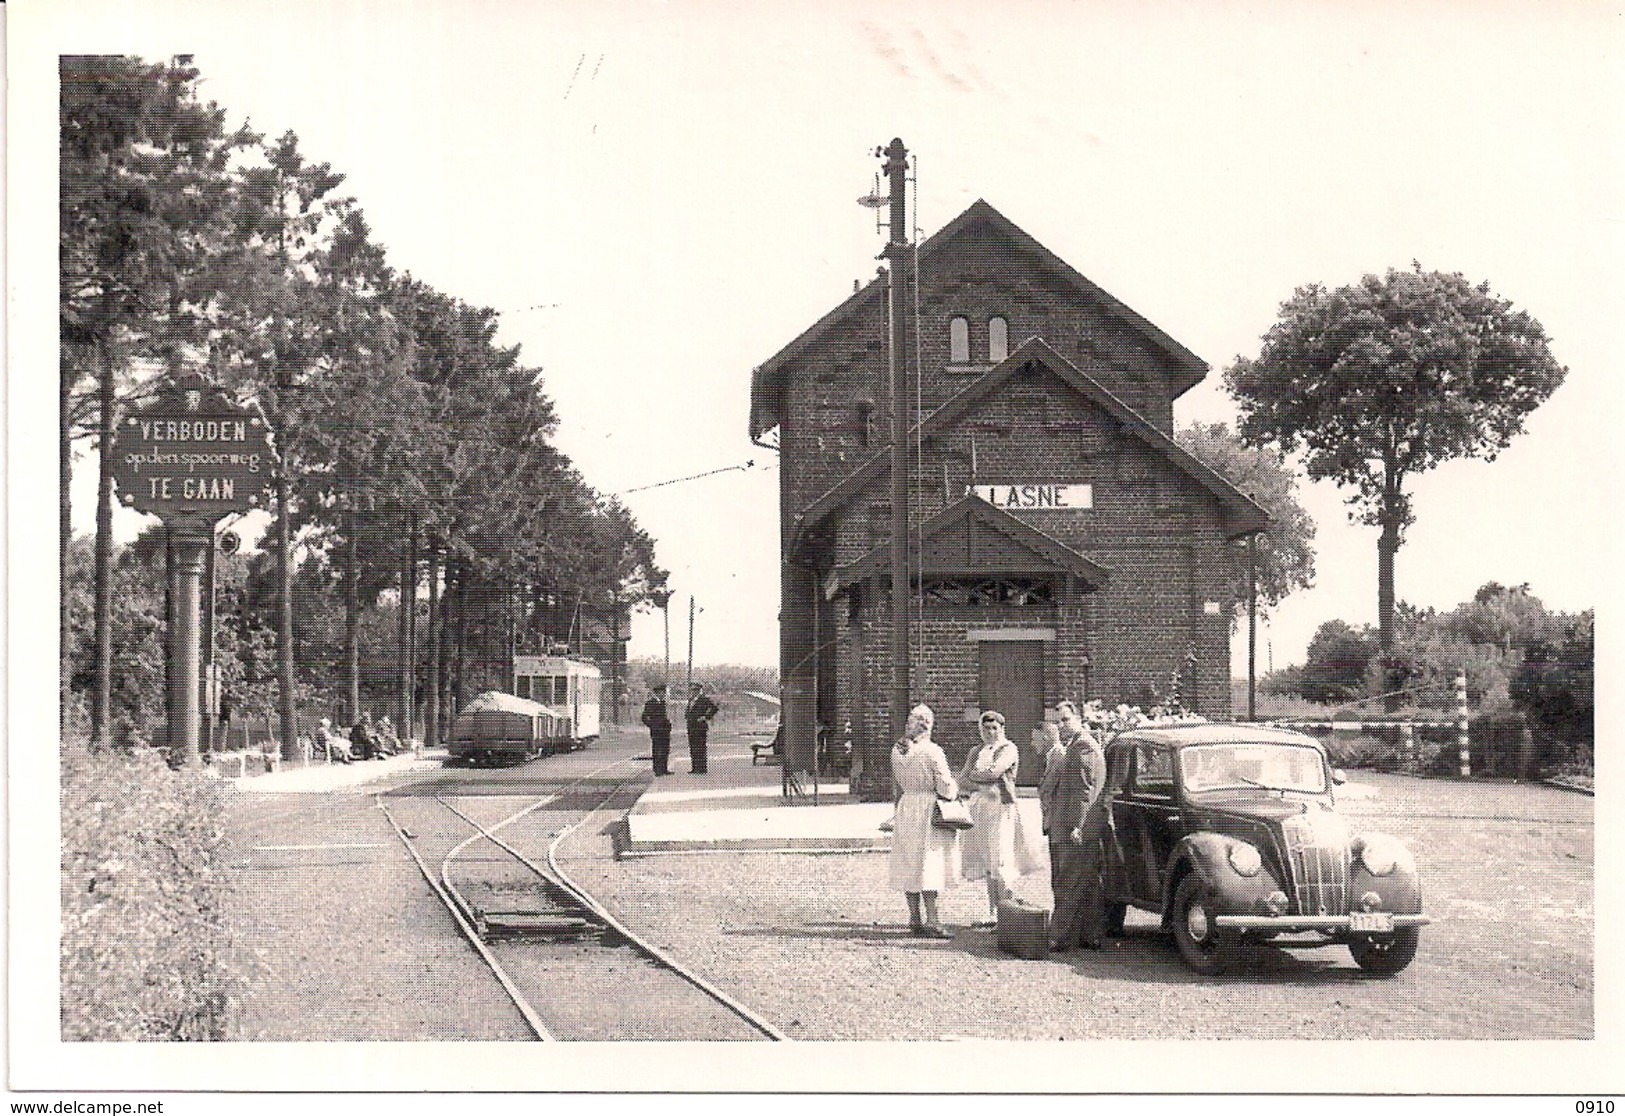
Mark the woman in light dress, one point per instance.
(996, 849)
(924, 859)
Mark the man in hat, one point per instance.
(697, 721)
(659, 724)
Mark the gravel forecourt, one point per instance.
(352, 946)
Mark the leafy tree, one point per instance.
(1335, 664)
(141, 166)
(1509, 618)
(1284, 554)
(1384, 379)
(265, 337)
(1557, 681)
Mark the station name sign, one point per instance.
(1036, 497)
(193, 451)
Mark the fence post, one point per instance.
(1407, 746)
(1462, 741)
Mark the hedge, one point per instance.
(145, 872)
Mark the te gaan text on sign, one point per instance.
(194, 452)
(1036, 497)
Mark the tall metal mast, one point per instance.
(898, 260)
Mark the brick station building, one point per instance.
(1061, 543)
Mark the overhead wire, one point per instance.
(747, 466)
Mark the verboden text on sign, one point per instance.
(193, 452)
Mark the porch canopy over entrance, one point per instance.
(972, 539)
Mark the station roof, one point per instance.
(1243, 515)
(767, 380)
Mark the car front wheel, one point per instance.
(1200, 944)
(1386, 954)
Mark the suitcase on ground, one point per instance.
(1023, 930)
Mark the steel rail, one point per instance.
(532, 1020)
(592, 904)
(559, 878)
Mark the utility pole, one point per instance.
(689, 680)
(1252, 627)
(897, 258)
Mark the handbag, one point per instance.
(950, 813)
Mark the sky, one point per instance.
(658, 197)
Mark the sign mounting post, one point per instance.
(191, 456)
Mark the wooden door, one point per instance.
(1011, 680)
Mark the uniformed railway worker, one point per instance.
(697, 723)
(658, 722)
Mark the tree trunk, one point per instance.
(64, 525)
(284, 627)
(457, 601)
(101, 710)
(403, 632)
(1387, 547)
(352, 620)
(431, 689)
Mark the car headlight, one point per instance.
(1245, 859)
(1380, 854)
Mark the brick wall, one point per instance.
(1154, 527)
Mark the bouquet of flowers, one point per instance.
(1106, 723)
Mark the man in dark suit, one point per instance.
(697, 722)
(1079, 821)
(659, 725)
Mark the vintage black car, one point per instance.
(1231, 834)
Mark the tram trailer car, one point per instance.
(572, 687)
(495, 727)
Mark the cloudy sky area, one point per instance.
(658, 197)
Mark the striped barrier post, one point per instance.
(1461, 725)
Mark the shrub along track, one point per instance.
(573, 971)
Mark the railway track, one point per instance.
(572, 970)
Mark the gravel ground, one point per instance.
(817, 943)
(354, 946)
(349, 941)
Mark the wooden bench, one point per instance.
(237, 765)
(763, 753)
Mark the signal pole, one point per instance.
(897, 258)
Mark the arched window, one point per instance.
(998, 339)
(959, 341)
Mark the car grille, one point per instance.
(1317, 845)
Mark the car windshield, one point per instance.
(1276, 766)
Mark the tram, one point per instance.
(569, 687)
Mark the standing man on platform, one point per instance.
(659, 725)
(1078, 825)
(697, 721)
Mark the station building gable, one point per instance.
(1061, 543)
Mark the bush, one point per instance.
(145, 947)
(1358, 750)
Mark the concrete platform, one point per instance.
(738, 805)
(317, 776)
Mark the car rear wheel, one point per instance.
(1200, 944)
(1386, 954)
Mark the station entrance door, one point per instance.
(1011, 680)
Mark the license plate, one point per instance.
(1371, 922)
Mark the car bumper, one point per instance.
(1287, 924)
